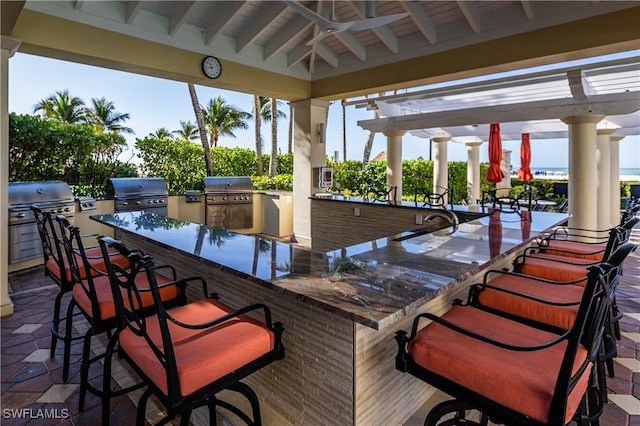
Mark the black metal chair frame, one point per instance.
(431, 199)
(74, 247)
(53, 248)
(175, 404)
(588, 326)
(612, 271)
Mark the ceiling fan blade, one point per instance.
(369, 23)
(320, 20)
(321, 35)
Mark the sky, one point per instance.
(153, 103)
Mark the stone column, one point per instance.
(473, 172)
(394, 162)
(503, 188)
(9, 47)
(309, 152)
(582, 170)
(614, 181)
(603, 161)
(440, 166)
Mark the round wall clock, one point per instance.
(211, 67)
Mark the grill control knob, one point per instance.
(149, 201)
(162, 201)
(67, 209)
(125, 203)
(224, 198)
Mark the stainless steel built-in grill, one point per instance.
(229, 201)
(148, 194)
(52, 196)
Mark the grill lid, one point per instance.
(49, 192)
(134, 187)
(227, 184)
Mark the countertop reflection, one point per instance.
(373, 283)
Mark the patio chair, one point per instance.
(478, 358)
(58, 268)
(93, 298)
(431, 199)
(188, 354)
(550, 304)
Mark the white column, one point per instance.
(9, 47)
(614, 181)
(603, 160)
(308, 153)
(473, 172)
(394, 162)
(503, 188)
(582, 170)
(440, 166)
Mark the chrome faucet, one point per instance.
(447, 215)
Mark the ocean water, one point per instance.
(625, 171)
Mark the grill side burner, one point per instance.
(53, 196)
(147, 194)
(229, 201)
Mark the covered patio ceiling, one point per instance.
(265, 48)
(529, 102)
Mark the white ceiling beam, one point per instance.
(132, 10)
(353, 44)
(471, 14)
(297, 55)
(179, 16)
(224, 13)
(253, 29)
(607, 105)
(422, 20)
(579, 85)
(386, 36)
(291, 31)
(528, 10)
(326, 54)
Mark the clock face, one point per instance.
(211, 67)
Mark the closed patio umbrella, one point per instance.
(494, 174)
(495, 233)
(524, 174)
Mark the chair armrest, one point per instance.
(227, 317)
(479, 287)
(482, 338)
(531, 277)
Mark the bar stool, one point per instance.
(93, 298)
(479, 357)
(186, 355)
(550, 305)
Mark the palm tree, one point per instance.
(62, 107)
(187, 131)
(268, 114)
(201, 129)
(104, 117)
(290, 142)
(161, 133)
(257, 112)
(221, 119)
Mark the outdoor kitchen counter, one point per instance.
(340, 308)
(373, 283)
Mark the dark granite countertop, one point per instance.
(373, 283)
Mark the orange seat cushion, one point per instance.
(494, 372)
(202, 356)
(575, 249)
(555, 268)
(105, 296)
(558, 316)
(94, 256)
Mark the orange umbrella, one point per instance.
(524, 174)
(494, 174)
(495, 234)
